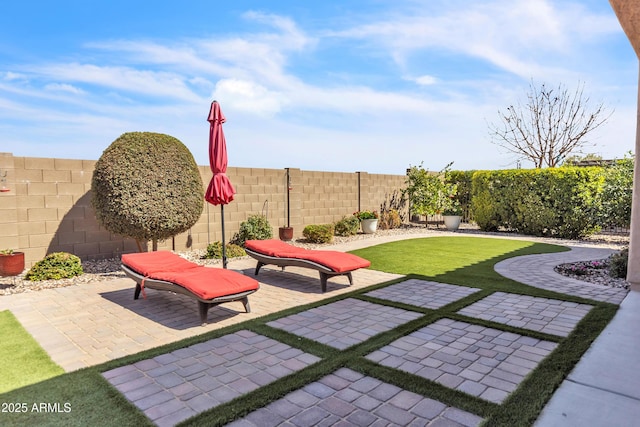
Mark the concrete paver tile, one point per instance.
(164, 393)
(353, 402)
(463, 374)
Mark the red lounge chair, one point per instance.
(328, 263)
(166, 271)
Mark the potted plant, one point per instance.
(285, 233)
(11, 263)
(452, 213)
(368, 221)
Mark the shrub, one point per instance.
(618, 264)
(389, 219)
(147, 186)
(256, 227)
(483, 205)
(55, 266)
(214, 250)
(463, 184)
(396, 202)
(347, 226)
(559, 202)
(319, 233)
(617, 193)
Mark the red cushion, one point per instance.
(340, 262)
(147, 263)
(208, 283)
(273, 247)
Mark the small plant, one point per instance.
(453, 207)
(214, 251)
(6, 252)
(618, 264)
(55, 266)
(319, 233)
(579, 270)
(347, 226)
(392, 210)
(256, 227)
(366, 215)
(389, 219)
(597, 265)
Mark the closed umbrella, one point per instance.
(220, 191)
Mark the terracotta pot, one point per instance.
(11, 264)
(285, 233)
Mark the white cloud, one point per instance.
(425, 80)
(248, 96)
(514, 35)
(13, 76)
(145, 82)
(62, 87)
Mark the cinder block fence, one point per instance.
(45, 205)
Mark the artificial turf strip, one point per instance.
(77, 399)
(93, 398)
(24, 361)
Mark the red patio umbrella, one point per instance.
(220, 191)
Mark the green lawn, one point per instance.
(24, 362)
(456, 260)
(439, 255)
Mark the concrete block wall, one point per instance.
(47, 207)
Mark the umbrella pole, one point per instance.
(224, 246)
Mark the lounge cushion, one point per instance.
(340, 262)
(273, 247)
(208, 283)
(204, 282)
(147, 263)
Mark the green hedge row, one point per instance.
(559, 202)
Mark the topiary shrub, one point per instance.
(147, 186)
(214, 251)
(319, 233)
(55, 266)
(256, 227)
(618, 264)
(347, 226)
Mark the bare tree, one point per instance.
(550, 126)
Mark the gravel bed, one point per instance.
(109, 269)
(595, 272)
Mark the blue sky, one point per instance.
(347, 85)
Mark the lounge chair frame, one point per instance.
(203, 304)
(283, 262)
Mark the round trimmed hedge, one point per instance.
(147, 186)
